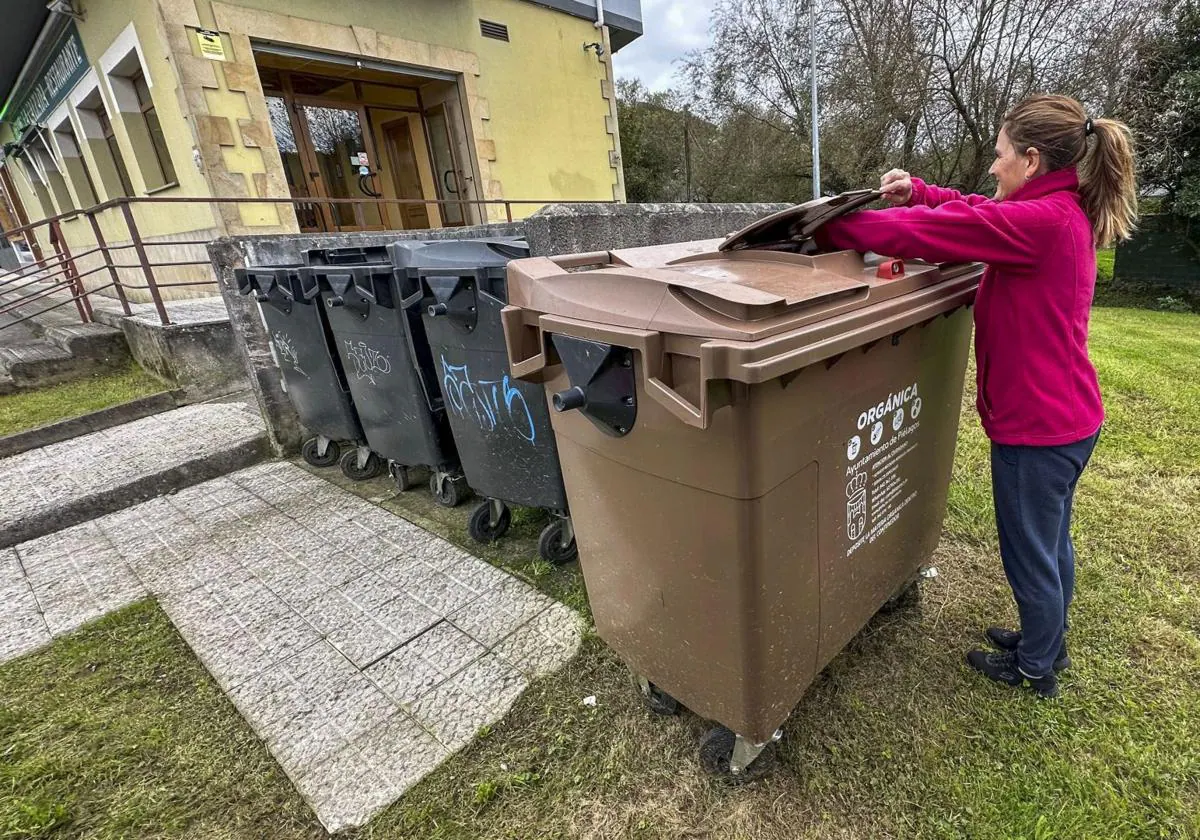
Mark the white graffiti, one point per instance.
(287, 351)
(490, 402)
(367, 361)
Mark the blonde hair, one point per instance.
(1058, 127)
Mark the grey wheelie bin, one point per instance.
(375, 316)
(756, 441)
(312, 372)
(501, 425)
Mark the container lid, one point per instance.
(457, 253)
(742, 295)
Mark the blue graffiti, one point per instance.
(490, 402)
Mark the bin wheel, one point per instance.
(909, 596)
(452, 491)
(480, 526)
(402, 475)
(370, 469)
(716, 750)
(551, 548)
(659, 702)
(309, 453)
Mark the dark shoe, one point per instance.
(1002, 667)
(1009, 639)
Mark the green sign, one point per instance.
(63, 67)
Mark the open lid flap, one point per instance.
(797, 224)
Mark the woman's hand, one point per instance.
(897, 187)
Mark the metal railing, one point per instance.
(57, 279)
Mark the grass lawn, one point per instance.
(117, 731)
(30, 409)
(896, 739)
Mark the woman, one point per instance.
(1065, 185)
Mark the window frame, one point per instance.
(158, 141)
(114, 149)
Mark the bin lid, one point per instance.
(457, 253)
(757, 283)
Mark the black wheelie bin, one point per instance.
(501, 425)
(312, 372)
(375, 317)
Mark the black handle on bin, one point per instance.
(570, 399)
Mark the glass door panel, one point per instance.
(308, 216)
(445, 169)
(343, 165)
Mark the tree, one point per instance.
(673, 154)
(651, 143)
(1164, 107)
(919, 83)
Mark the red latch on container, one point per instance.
(890, 269)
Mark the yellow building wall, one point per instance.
(160, 226)
(540, 121)
(547, 113)
(537, 114)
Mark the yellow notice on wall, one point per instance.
(211, 45)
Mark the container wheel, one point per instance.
(481, 527)
(451, 492)
(402, 475)
(309, 453)
(551, 548)
(909, 596)
(658, 701)
(370, 469)
(716, 751)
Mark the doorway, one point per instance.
(365, 134)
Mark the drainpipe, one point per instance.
(599, 14)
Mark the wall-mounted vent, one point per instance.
(490, 29)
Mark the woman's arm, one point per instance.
(1011, 233)
(928, 195)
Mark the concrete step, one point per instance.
(40, 363)
(53, 346)
(94, 340)
(64, 484)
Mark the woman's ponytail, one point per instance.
(1108, 183)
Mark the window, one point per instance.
(47, 169)
(157, 142)
(114, 151)
(74, 166)
(38, 184)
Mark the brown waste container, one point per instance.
(756, 443)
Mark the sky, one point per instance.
(672, 28)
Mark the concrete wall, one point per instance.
(556, 229)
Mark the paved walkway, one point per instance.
(66, 483)
(362, 649)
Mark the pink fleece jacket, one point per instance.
(1035, 385)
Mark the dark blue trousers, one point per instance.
(1034, 487)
